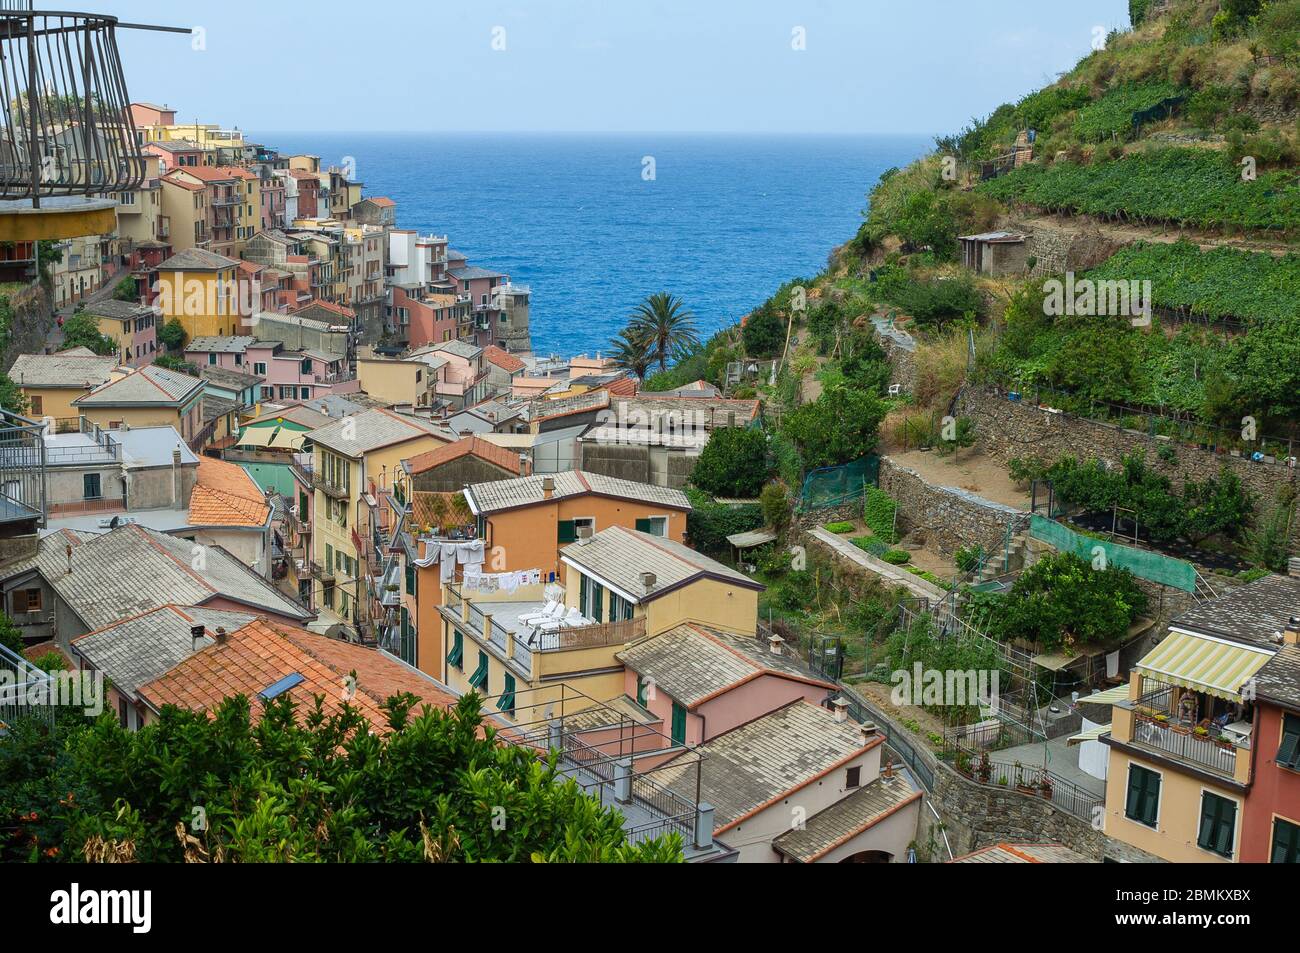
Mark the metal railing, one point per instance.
(23, 490)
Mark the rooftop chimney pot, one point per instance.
(841, 708)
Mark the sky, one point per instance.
(744, 66)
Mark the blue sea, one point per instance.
(595, 223)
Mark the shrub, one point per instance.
(774, 505)
(172, 335)
(870, 544)
(709, 524)
(879, 514)
(840, 527)
(839, 427)
(125, 290)
(897, 557)
(82, 330)
(968, 558)
(732, 463)
(764, 332)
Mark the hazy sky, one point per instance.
(612, 65)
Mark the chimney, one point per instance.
(774, 643)
(220, 635)
(1291, 635)
(840, 706)
(648, 580)
(69, 551)
(548, 487)
(868, 730)
(196, 636)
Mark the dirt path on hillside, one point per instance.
(1168, 234)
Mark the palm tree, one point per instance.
(668, 326)
(632, 349)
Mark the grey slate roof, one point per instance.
(619, 556)
(212, 407)
(75, 371)
(141, 648)
(459, 348)
(197, 259)
(1279, 680)
(228, 378)
(1249, 614)
(133, 569)
(762, 760)
(117, 310)
(149, 386)
(375, 428)
(470, 272)
(846, 819)
(692, 662)
(498, 495)
(230, 344)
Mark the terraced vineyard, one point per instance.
(1216, 284)
(1188, 187)
(1112, 115)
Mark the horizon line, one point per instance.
(584, 132)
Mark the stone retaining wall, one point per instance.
(950, 516)
(1009, 429)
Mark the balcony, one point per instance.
(1167, 721)
(330, 488)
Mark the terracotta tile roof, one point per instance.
(1022, 854)
(846, 819)
(225, 495)
(622, 387)
(255, 657)
(381, 200)
(502, 358)
(171, 178)
(507, 460)
(326, 306)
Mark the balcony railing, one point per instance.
(329, 487)
(1158, 726)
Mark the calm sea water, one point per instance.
(723, 222)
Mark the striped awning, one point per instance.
(1092, 734)
(1203, 664)
(1111, 696)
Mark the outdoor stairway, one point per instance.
(1293, 566)
(1014, 556)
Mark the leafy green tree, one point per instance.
(172, 335)
(926, 221)
(732, 463)
(82, 330)
(764, 331)
(668, 325)
(125, 290)
(775, 501)
(961, 436)
(303, 786)
(839, 427)
(173, 363)
(11, 636)
(11, 396)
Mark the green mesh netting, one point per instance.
(1156, 567)
(832, 486)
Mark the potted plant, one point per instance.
(984, 770)
(1200, 732)
(1045, 786)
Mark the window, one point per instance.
(1143, 803)
(1218, 824)
(642, 691)
(566, 532)
(456, 657)
(212, 358)
(478, 681)
(239, 360)
(31, 600)
(259, 368)
(305, 365)
(679, 724)
(410, 579)
(268, 393)
(853, 777)
(327, 594)
(597, 599)
(1286, 842)
(654, 525)
(38, 406)
(584, 522)
(90, 486)
(506, 702)
(1288, 752)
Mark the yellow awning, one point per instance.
(256, 436)
(1203, 664)
(1111, 696)
(1092, 734)
(276, 438)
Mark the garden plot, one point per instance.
(971, 471)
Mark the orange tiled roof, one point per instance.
(499, 456)
(172, 179)
(622, 387)
(328, 306)
(502, 358)
(225, 495)
(256, 656)
(382, 200)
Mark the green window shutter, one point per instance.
(478, 680)
(1143, 803)
(506, 702)
(1218, 824)
(679, 724)
(329, 558)
(1288, 753)
(597, 598)
(582, 593)
(410, 579)
(566, 531)
(456, 656)
(641, 691)
(1286, 842)
(643, 526)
